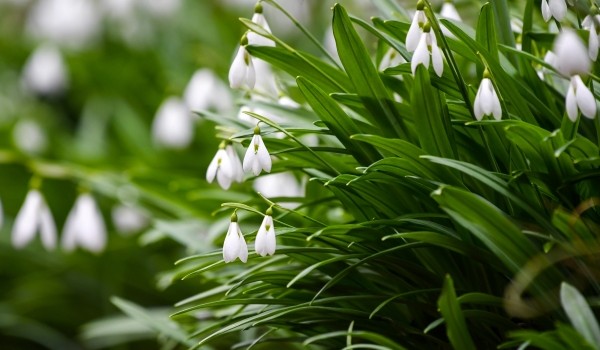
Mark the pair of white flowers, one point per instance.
(554, 8)
(84, 226)
(235, 245)
(226, 166)
(421, 40)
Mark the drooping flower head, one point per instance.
(84, 226)
(173, 126)
(571, 54)
(257, 156)
(449, 11)
(486, 100)
(579, 98)
(416, 27)
(34, 216)
(241, 73)
(554, 8)
(221, 167)
(235, 245)
(259, 18)
(427, 51)
(265, 237)
(590, 23)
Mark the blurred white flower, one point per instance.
(236, 164)
(129, 219)
(29, 137)
(449, 11)
(416, 27)
(571, 54)
(72, 23)
(84, 226)
(265, 237)
(173, 126)
(221, 167)
(554, 8)
(34, 216)
(589, 23)
(205, 91)
(265, 79)
(427, 51)
(280, 185)
(242, 72)
(579, 97)
(235, 245)
(486, 100)
(257, 156)
(259, 19)
(391, 58)
(44, 72)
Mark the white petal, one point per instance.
(243, 250)
(414, 32)
(47, 227)
(173, 126)
(231, 246)
(27, 220)
(587, 22)
(249, 157)
(546, 11)
(211, 172)
(477, 105)
(223, 180)
(256, 168)
(449, 11)
(421, 55)
(263, 156)
(571, 103)
(497, 107)
(558, 8)
(585, 100)
(236, 163)
(260, 245)
(571, 54)
(92, 230)
(237, 72)
(250, 73)
(271, 240)
(69, 233)
(486, 97)
(593, 44)
(436, 57)
(225, 165)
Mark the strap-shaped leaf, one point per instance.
(456, 326)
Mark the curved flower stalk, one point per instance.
(590, 23)
(241, 73)
(84, 226)
(257, 156)
(427, 51)
(235, 245)
(554, 8)
(34, 216)
(259, 18)
(415, 30)
(173, 126)
(221, 167)
(265, 237)
(572, 61)
(486, 100)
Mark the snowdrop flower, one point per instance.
(236, 163)
(221, 167)
(486, 100)
(265, 82)
(428, 47)
(84, 226)
(391, 58)
(416, 27)
(34, 216)
(29, 137)
(242, 72)
(265, 237)
(44, 72)
(173, 126)
(579, 98)
(449, 11)
(205, 91)
(257, 157)
(235, 245)
(129, 218)
(571, 54)
(554, 8)
(259, 18)
(589, 23)
(72, 23)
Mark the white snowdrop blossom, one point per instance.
(235, 245)
(257, 156)
(129, 218)
(236, 163)
(427, 51)
(259, 19)
(222, 168)
(486, 100)
(391, 58)
(265, 237)
(589, 23)
(173, 126)
(30, 137)
(34, 216)
(554, 8)
(241, 73)
(579, 98)
(571, 54)
(44, 72)
(206, 91)
(85, 226)
(416, 27)
(449, 11)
